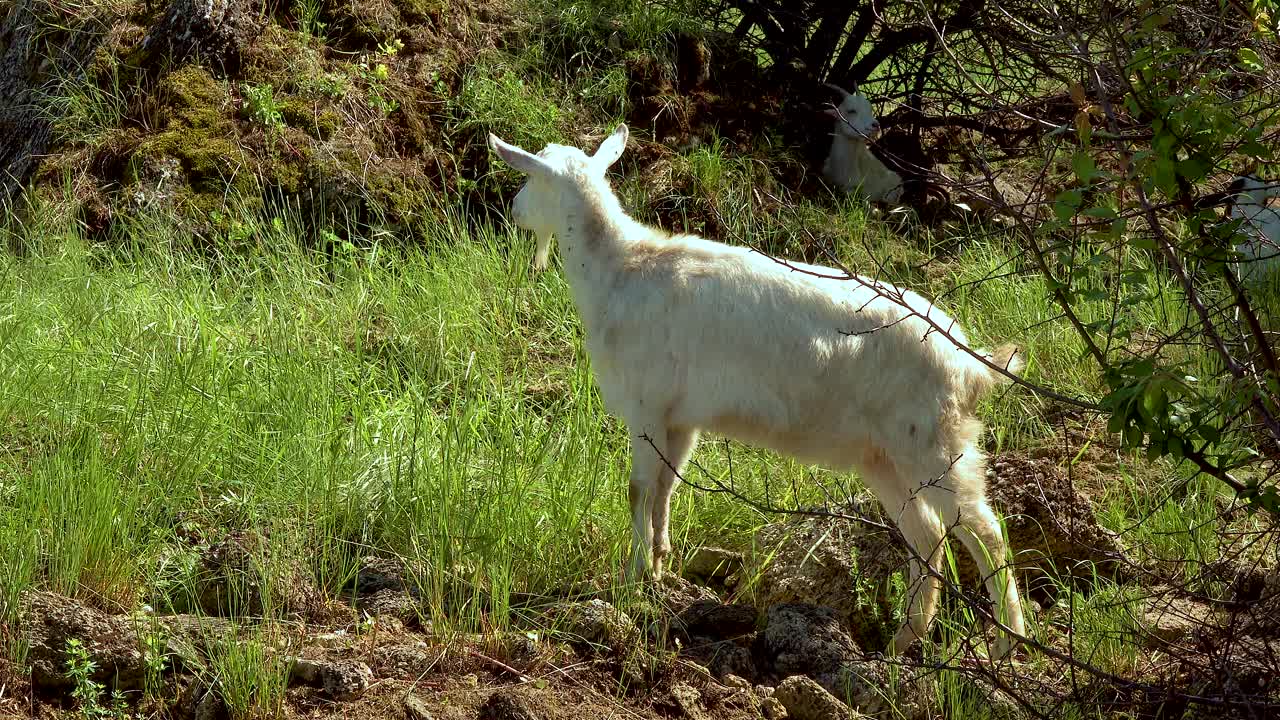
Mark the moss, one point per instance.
(199, 133)
(419, 11)
(318, 123)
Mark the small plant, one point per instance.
(153, 645)
(332, 85)
(390, 47)
(261, 107)
(307, 13)
(86, 691)
(250, 677)
(376, 76)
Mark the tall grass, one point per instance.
(429, 402)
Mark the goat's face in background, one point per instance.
(854, 116)
(1256, 189)
(540, 206)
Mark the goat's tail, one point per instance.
(981, 378)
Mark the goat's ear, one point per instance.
(518, 158)
(843, 93)
(611, 149)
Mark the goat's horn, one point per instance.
(837, 88)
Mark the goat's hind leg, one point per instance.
(964, 504)
(680, 443)
(924, 533)
(648, 439)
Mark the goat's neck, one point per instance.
(853, 158)
(593, 236)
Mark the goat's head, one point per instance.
(1253, 188)
(854, 116)
(539, 207)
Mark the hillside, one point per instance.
(291, 428)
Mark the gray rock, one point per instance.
(49, 620)
(807, 640)
(839, 564)
(773, 709)
(805, 699)
(237, 578)
(1051, 524)
(415, 708)
(594, 622)
(405, 661)
(687, 701)
(507, 704)
(713, 563)
(1171, 620)
(340, 679)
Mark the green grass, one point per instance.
(428, 404)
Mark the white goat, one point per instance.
(686, 335)
(850, 164)
(1259, 230)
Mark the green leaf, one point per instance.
(1249, 58)
(1083, 165)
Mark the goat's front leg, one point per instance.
(645, 466)
(675, 454)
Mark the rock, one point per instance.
(507, 704)
(833, 563)
(686, 701)
(378, 573)
(31, 61)
(724, 658)
(340, 679)
(805, 699)
(676, 594)
(1050, 523)
(405, 662)
(712, 563)
(1171, 620)
(712, 618)
(399, 605)
(219, 31)
(773, 709)
(235, 579)
(48, 621)
(806, 640)
(594, 622)
(415, 708)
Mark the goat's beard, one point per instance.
(541, 254)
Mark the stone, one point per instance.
(1170, 620)
(805, 699)
(593, 622)
(507, 704)
(49, 620)
(834, 563)
(416, 708)
(235, 579)
(339, 679)
(686, 700)
(773, 709)
(713, 563)
(1050, 523)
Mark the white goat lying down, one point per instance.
(1260, 231)
(686, 335)
(850, 164)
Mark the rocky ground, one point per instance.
(789, 628)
